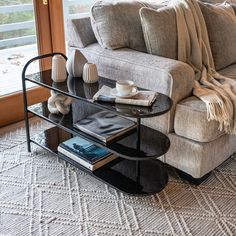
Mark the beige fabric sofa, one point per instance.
(197, 146)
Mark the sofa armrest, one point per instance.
(173, 78)
(167, 76)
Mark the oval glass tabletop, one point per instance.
(77, 88)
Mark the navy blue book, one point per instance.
(85, 153)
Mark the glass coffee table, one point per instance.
(137, 170)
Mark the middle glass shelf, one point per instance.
(152, 142)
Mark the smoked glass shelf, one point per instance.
(76, 88)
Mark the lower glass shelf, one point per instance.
(132, 177)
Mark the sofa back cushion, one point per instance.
(221, 25)
(80, 32)
(117, 24)
(160, 31)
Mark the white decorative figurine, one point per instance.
(75, 63)
(59, 103)
(90, 73)
(59, 68)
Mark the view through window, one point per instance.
(18, 38)
(74, 7)
(17, 43)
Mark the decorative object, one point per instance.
(58, 103)
(58, 68)
(90, 73)
(75, 63)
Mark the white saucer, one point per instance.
(115, 93)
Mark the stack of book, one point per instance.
(105, 126)
(85, 153)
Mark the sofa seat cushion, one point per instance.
(191, 121)
(191, 116)
(197, 159)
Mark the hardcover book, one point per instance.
(85, 153)
(105, 125)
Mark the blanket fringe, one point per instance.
(194, 49)
(218, 112)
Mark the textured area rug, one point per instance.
(40, 195)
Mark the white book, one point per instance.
(84, 163)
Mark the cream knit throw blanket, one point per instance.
(218, 92)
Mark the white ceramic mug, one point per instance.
(125, 87)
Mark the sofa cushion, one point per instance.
(197, 159)
(117, 24)
(221, 25)
(80, 32)
(231, 2)
(160, 31)
(191, 121)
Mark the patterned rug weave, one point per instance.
(40, 195)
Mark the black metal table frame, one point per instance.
(25, 92)
(26, 111)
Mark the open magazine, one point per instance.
(142, 98)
